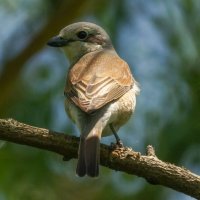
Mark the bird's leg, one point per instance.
(118, 141)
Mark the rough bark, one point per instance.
(123, 159)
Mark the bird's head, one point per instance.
(80, 38)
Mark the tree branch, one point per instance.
(124, 159)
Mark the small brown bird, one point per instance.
(100, 89)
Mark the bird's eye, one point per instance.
(82, 35)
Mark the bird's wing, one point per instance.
(96, 79)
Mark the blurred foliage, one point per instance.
(159, 39)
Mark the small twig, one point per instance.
(121, 159)
(150, 151)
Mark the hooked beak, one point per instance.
(57, 41)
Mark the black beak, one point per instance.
(57, 41)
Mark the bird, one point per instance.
(100, 90)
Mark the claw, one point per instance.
(116, 145)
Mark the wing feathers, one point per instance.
(106, 78)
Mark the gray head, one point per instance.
(80, 38)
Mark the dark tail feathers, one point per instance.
(89, 155)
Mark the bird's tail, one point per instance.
(89, 154)
(81, 165)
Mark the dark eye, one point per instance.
(82, 35)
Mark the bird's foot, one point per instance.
(116, 145)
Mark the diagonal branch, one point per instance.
(147, 166)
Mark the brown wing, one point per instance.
(96, 79)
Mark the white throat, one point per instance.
(75, 50)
